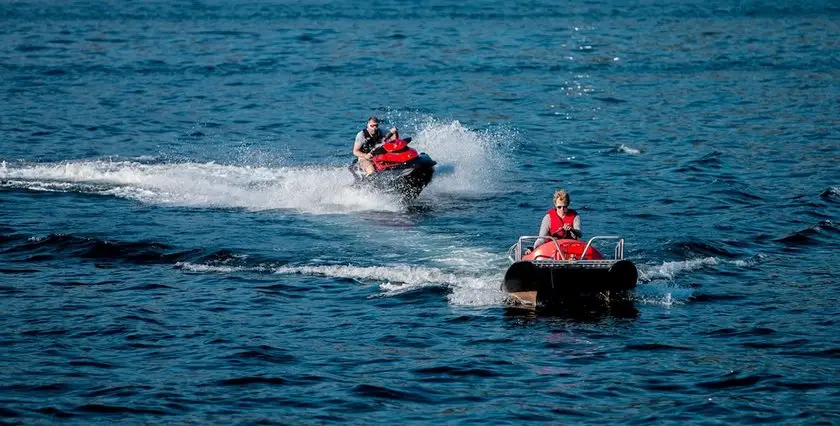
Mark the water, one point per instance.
(179, 243)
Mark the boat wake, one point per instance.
(467, 159)
(659, 283)
(314, 190)
(465, 288)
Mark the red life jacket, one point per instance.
(557, 222)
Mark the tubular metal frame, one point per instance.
(515, 251)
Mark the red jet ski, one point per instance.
(567, 273)
(400, 169)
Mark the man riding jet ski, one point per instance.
(392, 167)
(367, 139)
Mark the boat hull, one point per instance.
(559, 284)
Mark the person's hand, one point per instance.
(369, 156)
(527, 251)
(567, 227)
(393, 130)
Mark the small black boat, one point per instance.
(568, 274)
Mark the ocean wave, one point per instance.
(139, 252)
(831, 193)
(811, 236)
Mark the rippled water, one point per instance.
(179, 242)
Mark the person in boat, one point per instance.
(559, 222)
(367, 139)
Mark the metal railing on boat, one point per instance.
(515, 251)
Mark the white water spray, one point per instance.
(307, 189)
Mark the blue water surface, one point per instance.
(180, 242)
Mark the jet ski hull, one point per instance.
(404, 179)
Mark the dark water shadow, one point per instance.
(585, 313)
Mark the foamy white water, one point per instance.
(316, 190)
(469, 161)
(308, 189)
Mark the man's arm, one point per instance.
(576, 232)
(357, 146)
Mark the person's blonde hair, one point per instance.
(562, 195)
